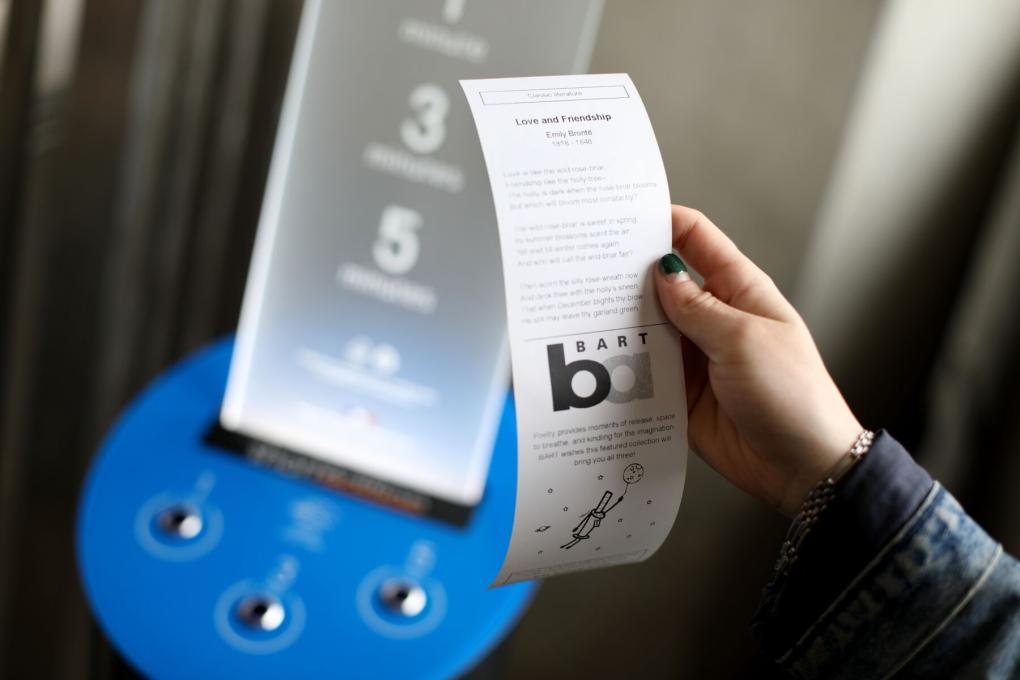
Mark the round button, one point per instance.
(398, 605)
(253, 618)
(181, 521)
(261, 612)
(403, 597)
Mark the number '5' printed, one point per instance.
(397, 247)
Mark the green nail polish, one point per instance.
(671, 264)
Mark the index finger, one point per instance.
(729, 274)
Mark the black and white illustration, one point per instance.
(592, 520)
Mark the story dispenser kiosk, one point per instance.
(330, 494)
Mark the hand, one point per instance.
(762, 409)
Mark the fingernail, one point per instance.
(673, 267)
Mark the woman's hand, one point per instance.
(763, 411)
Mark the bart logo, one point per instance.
(561, 376)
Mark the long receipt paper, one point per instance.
(583, 210)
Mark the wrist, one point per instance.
(818, 499)
(820, 458)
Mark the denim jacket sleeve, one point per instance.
(895, 581)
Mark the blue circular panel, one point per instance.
(199, 563)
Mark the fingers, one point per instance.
(708, 321)
(728, 273)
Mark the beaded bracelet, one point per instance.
(818, 500)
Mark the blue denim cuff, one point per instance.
(919, 608)
(872, 503)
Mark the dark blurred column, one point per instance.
(17, 69)
(70, 146)
(132, 202)
(912, 190)
(972, 443)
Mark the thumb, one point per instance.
(707, 321)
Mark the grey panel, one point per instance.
(373, 329)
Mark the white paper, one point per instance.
(583, 210)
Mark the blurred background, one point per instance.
(866, 154)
